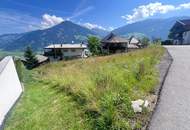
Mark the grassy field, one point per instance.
(90, 94)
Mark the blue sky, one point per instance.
(18, 16)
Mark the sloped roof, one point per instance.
(134, 40)
(41, 58)
(66, 46)
(180, 26)
(112, 38)
(185, 22)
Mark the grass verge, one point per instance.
(94, 93)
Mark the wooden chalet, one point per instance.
(114, 44)
(180, 32)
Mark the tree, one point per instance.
(31, 60)
(145, 41)
(156, 40)
(94, 45)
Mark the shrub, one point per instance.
(94, 45)
(145, 41)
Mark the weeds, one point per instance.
(99, 90)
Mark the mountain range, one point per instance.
(152, 28)
(69, 32)
(65, 32)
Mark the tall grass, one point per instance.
(101, 88)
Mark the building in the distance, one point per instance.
(116, 44)
(65, 51)
(180, 32)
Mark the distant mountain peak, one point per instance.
(158, 28)
(65, 32)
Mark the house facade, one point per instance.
(65, 51)
(116, 44)
(180, 32)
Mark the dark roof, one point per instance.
(181, 26)
(40, 58)
(112, 38)
(185, 22)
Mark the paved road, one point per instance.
(173, 111)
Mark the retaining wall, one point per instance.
(10, 87)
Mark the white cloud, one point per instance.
(92, 26)
(185, 6)
(50, 20)
(145, 11)
(110, 28)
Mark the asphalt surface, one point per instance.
(173, 110)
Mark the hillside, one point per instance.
(158, 28)
(65, 32)
(8, 39)
(94, 93)
(100, 32)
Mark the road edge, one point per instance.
(163, 67)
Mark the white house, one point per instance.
(64, 51)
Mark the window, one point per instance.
(65, 50)
(73, 50)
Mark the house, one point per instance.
(135, 43)
(116, 44)
(40, 58)
(65, 51)
(180, 32)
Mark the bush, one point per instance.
(145, 41)
(94, 45)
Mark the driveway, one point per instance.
(173, 110)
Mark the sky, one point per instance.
(17, 16)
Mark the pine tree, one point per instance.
(31, 60)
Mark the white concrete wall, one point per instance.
(70, 53)
(10, 86)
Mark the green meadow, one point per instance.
(87, 94)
